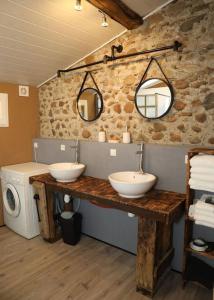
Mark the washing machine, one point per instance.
(20, 210)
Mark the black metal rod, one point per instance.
(106, 59)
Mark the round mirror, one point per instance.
(90, 104)
(154, 98)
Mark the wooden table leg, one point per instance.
(50, 210)
(145, 264)
(45, 206)
(48, 228)
(42, 208)
(55, 229)
(154, 254)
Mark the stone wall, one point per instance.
(191, 72)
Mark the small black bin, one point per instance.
(71, 224)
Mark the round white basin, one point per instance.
(66, 172)
(132, 184)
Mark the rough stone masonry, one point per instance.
(190, 71)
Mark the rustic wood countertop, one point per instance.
(163, 206)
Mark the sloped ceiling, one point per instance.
(39, 37)
(144, 7)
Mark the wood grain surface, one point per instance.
(156, 210)
(189, 222)
(120, 12)
(92, 270)
(160, 205)
(42, 209)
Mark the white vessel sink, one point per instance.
(132, 184)
(66, 172)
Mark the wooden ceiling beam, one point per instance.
(119, 12)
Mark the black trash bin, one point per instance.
(71, 224)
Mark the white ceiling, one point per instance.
(145, 7)
(38, 37)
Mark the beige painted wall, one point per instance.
(190, 71)
(16, 140)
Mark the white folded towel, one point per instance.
(203, 177)
(202, 188)
(204, 218)
(201, 185)
(202, 160)
(203, 213)
(202, 170)
(201, 205)
(195, 212)
(204, 223)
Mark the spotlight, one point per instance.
(78, 5)
(104, 19)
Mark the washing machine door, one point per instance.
(11, 200)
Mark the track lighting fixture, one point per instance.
(78, 5)
(104, 19)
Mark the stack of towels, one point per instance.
(202, 213)
(202, 172)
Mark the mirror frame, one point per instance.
(101, 110)
(171, 102)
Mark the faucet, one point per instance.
(141, 158)
(77, 150)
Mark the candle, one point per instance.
(126, 137)
(101, 136)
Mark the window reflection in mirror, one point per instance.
(90, 104)
(153, 98)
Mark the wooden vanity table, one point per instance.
(156, 212)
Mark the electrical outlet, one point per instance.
(62, 147)
(113, 152)
(186, 159)
(35, 145)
